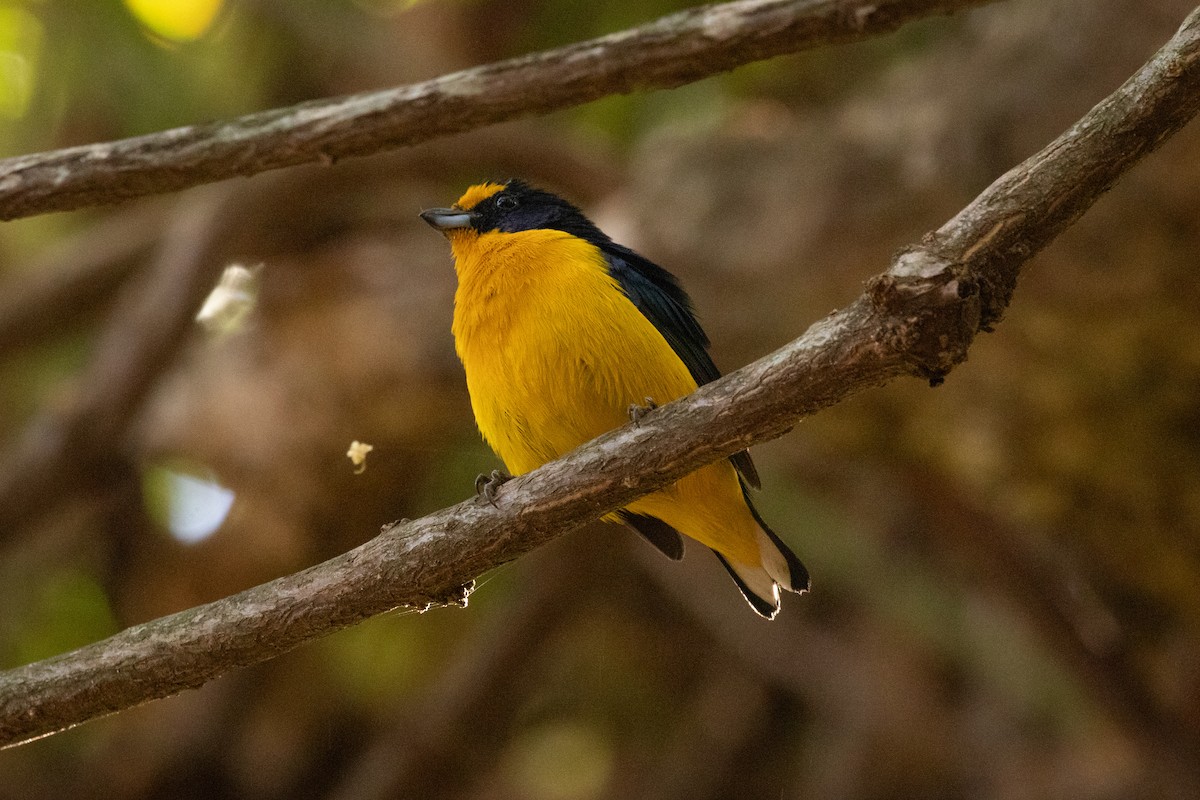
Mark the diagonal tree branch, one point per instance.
(918, 318)
(674, 50)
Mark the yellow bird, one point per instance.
(565, 335)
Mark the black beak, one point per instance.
(448, 219)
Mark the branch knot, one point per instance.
(931, 309)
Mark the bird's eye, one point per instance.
(506, 202)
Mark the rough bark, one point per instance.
(671, 51)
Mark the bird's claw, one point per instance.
(487, 486)
(636, 412)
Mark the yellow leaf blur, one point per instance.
(177, 20)
(20, 47)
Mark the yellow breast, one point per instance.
(553, 350)
(555, 353)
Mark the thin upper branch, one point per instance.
(671, 51)
(917, 318)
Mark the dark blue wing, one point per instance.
(657, 294)
(662, 300)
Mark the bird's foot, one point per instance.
(636, 412)
(486, 486)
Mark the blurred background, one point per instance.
(1006, 569)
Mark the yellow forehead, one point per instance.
(477, 194)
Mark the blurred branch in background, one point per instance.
(918, 318)
(981, 550)
(73, 281)
(455, 732)
(672, 51)
(147, 327)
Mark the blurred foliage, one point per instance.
(21, 41)
(1005, 599)
(69, 611)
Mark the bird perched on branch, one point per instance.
(565, 335)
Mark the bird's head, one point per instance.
(510, 207)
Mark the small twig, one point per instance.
(669, 52)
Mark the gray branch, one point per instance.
(677, 49)
(917, 318)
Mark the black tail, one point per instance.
(656, 532)
(765, 606)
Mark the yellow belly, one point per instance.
(555, 354)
